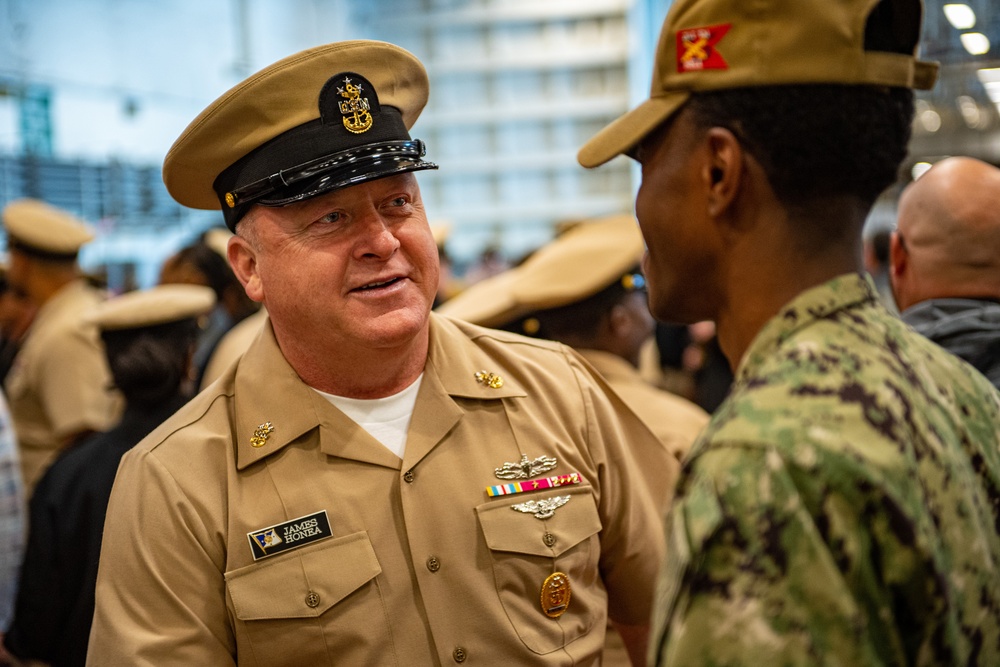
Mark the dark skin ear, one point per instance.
(725, 169)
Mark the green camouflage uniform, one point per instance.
(843, 505)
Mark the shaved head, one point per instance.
(947, 242)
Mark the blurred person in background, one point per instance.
(59, 387)
(946, 260)
(841, 506)
(875, 248)
(13, 523)
(16, 313)
(204, 263)
(149, 340)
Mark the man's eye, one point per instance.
(330, 217)
(399, 201)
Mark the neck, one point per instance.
(356, 372)
(767, 273)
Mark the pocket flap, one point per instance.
(325, 574)
(507, 529)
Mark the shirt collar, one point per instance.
(816, 303)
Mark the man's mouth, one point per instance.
(378, 284)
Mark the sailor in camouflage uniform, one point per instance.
(843, 505)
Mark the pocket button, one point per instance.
(312, 600)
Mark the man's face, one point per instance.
(671, 209)
(356, 268)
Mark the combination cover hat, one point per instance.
(158, 305)
(44, 230)
(589, 257)
(710, 45)
(318, 121)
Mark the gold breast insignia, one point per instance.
(556, 593)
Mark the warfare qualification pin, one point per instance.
(542, 509)
(525, 469)
(555, 594)
(261, 435)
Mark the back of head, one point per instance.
(149, 337)
(948, 233)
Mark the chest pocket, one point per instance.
(320, 604)
(526, 550)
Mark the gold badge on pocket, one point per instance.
(555, 594)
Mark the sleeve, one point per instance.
(74, 385)
(632, 466)
(12, 516)
(160, 596)
(41, 601)
(751, 577)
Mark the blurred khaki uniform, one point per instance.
(416, 544)
(675, 421)
(60, 382)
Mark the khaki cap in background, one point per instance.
(577, 264)
(217, 239)
(722, 44)
(41, 229)
(157, 305)
(320, 120)
(488, 303)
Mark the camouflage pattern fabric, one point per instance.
(843, 505)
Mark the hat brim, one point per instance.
(628, 130)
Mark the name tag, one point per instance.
(290, 535)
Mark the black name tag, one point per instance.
(289, 535)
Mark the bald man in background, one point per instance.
(945, 260)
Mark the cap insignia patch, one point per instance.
(696, 48)
(356, 110)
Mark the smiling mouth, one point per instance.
(377, 285)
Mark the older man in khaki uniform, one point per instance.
(370, 484)
(585, 289)
(59, 386)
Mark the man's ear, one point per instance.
(243, 259)
(725, 169)
(898, 259)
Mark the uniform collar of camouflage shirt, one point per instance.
(816, 303)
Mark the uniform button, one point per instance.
(408, 477)
(312, 600)
(459, 654)
(549, 539)
(433, 564)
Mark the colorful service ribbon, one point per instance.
(533, 485)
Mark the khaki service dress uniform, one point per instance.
(398, 562)
(60, 383)
(675, 421)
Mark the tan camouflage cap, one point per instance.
(320, 120)
(720, 44)
(44, 230)
(157, 305)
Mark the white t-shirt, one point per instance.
(386, 419)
